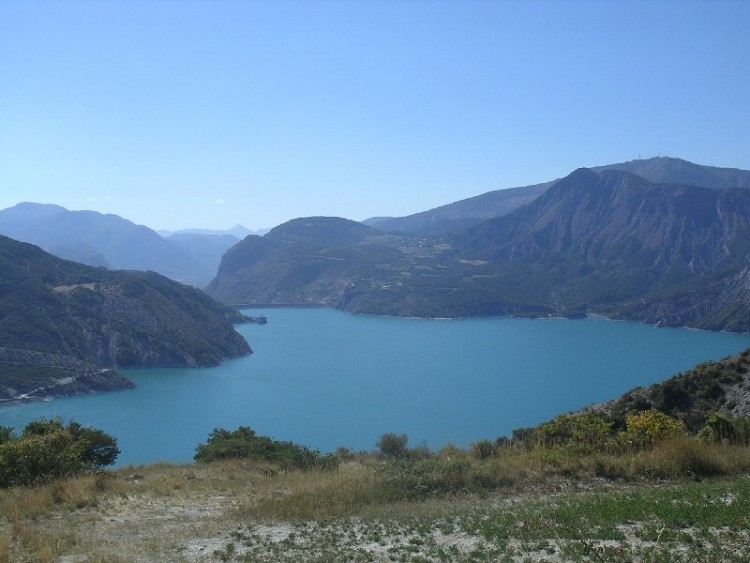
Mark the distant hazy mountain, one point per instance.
(237, 231)
(372, 221)
(205, 250)
(472, 211)
(64, 325)
(79, 252)
(108, 240)
(609, 243)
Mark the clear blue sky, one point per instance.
(179, 114)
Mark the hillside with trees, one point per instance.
(66, 327)
(604, 243)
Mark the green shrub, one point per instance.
(47, 450)
(244, 443)
(725, 429)
(648, 428)
(588, 431)
(484, 449)
(393, 446)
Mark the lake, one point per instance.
(325, 379)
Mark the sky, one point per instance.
(208, 114)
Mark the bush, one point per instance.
(648, 428)
(244, 443)
(47, 450)
(483, 449)
(588, 431)
(725, 429)
(392, 446)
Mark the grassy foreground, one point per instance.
(680, 501)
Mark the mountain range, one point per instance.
(474, 210)
(66, 327)
(600, 241)
(112, 242)
(238, 231)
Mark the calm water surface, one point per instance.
(325, 379)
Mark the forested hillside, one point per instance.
(70, 320)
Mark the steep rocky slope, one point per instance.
(615, 243)
(608, 243)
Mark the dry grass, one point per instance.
(192, 513)
(4, 549)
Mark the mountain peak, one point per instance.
(329, 230)
(670, 170)
(31, 210)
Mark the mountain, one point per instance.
(474, 210)
(238, 231)
(205, 251)
(103, 240)
(63, 322)
(304, 261)
(464, 213)
(619, 245)
(372, 221)
(609, 243)
(79, 252)
(667, 170)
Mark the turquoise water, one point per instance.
(325, 379)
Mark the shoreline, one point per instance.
(590, 316)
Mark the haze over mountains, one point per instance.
(662, 241)
(110, 241)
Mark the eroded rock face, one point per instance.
(608, 243)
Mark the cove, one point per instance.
(325, 379)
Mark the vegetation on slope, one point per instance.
(607, 243)
(711, 388)
(62, 321)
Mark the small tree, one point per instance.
(726, 429)
(649, 427)
(6, 434)
(47, 450)
(393, 446)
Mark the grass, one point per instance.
(682, 501)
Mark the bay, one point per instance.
(326, 379)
